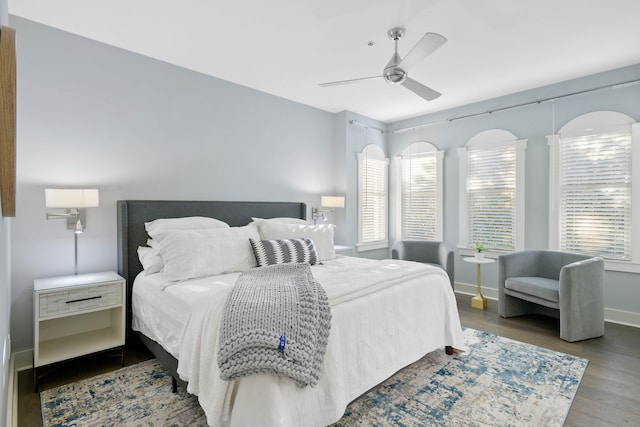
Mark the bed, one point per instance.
(385, 315)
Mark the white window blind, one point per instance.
(373, 170)
(595, 194)
(419, 196)
(491, 197)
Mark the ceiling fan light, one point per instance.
(395, 75)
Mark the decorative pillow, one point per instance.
(284, 220)
(150, 260)
(290, 251)
(185, 223)
(188, 254)
(322, 235)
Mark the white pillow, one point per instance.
(185, 223)
(188, 254)
(150, 260)
(322, 235)
(285, 220)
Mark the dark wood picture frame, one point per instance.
(8, 121)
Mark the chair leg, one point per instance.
(510, 306)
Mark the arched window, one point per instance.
(372, 198)
(591, 193)
(492, 191)
(421, 181)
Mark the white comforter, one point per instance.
(386, 315)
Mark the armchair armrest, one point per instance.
(445, 256)
(585, 277)
(582, 299)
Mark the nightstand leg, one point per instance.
(35, 380)
(479, 301)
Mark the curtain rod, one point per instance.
(355, 122)
(538, 101)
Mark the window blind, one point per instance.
(419, 197)
(373, 196)
(595, 194)
(491, 197)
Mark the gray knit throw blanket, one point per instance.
(276, 320)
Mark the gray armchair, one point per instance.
(570, 283)
(425, 251)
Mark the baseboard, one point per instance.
(18, 361)
(12, 395)
(621, 317)
(23, 359)
(468, 289)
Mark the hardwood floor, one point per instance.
(609, 394)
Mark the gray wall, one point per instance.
(91, 115)
(350, 139)
(5, 310)
(534, 123)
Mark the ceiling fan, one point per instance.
(395, 72)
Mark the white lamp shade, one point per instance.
(71, 198)
(332, 201)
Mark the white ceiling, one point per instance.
(287, 47)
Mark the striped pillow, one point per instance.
(271, 252)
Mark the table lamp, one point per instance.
(73, 200)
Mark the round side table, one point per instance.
(479, 301)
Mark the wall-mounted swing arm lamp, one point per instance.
(73, 200)
(327, 204)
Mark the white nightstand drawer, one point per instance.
(79, 299)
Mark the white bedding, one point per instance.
(386, 315)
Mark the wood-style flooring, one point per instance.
(609, 394)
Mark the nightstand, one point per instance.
(77, 315)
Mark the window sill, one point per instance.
(464, 251)
(363, 247)
(622, 266)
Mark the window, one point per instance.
(592, 160)
(492, 191)
(372, 198)
(421, 181)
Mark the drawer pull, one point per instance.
(83, 299)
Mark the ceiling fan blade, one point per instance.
(425, 47)
(420, 89)
(345, 82)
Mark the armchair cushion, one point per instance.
(540, 287)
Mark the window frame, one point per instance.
(491, 139)
(602, 122)
(383, 243)
(428, 149)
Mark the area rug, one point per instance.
(497, 382)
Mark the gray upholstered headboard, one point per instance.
(132, 214)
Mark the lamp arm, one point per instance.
(61, 216)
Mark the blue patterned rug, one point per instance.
(497, 382)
